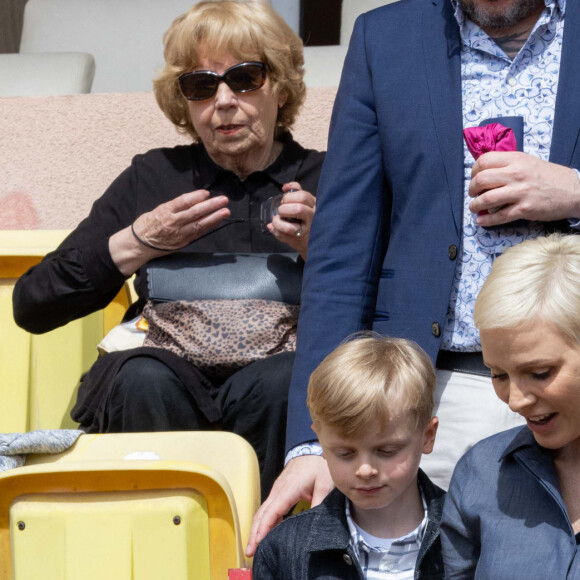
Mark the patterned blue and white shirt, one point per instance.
(495, 86)
(386, 559)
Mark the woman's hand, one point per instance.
(169, 227)
(296, 204)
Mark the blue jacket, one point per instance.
(383, 247)
(504, 517)
(315, 544)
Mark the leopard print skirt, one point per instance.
(220, 337)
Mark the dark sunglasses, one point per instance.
(241, 78)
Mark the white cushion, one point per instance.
(125, 36)
(44, 74)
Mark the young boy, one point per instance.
(371, 403)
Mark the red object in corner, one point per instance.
(239, 574)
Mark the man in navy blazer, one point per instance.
(389, 228)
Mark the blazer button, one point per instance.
(436, 329)
(347, 559)
(452, 250)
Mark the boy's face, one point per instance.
(377, 470)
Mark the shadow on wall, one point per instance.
(18, 212)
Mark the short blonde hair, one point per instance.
(371, 379)
(536, 280)
(248, 31)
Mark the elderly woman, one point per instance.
(513, 507)
(233, 81)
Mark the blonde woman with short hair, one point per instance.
(513, 507)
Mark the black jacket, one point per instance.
(80, 277)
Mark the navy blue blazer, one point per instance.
(389, 206)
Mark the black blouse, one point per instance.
(80, 277)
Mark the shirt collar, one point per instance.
(522, 439)
(284, 168)
(359, 543)
(524, 449)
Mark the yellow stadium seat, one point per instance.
(39, 373)
(130, 506)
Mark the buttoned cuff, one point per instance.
(309, 448)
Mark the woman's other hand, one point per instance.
(296, 204)
(167, 228)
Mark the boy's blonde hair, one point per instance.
(535, 280)
(370, 379)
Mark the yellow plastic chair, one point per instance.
(39, 373)
(130, 506)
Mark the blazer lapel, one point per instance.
(567, 116)
(442, 50)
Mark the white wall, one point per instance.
(290, 11)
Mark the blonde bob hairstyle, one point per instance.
(536, 280)
(247, 31)
(370, 379)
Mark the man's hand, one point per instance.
(515, 185)
(305, 477)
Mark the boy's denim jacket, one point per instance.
(316, 543)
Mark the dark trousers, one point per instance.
(148, 396)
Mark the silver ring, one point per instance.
(299, 232)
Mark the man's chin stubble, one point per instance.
(486, 17)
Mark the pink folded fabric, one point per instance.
(492, 137)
